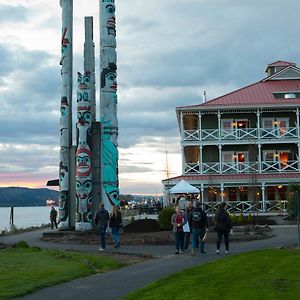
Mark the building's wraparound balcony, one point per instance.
(240, 134)
(241, 167)
(248, 207)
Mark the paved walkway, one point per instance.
(116, 284)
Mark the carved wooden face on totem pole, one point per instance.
(83, 162)
(108, 33)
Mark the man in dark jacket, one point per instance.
(53, 216)
(101, 220)
(223, 226)
(198, 221)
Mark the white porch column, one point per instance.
(258, 123)
(298, 156)
(183, 160)
(182, 141)
(297, 122)
(263, 197)
(219, 124)
(200, 125)
(200, 159)
(181, 126)
(259, 158)
(220, 159)
(222, 191)
(202, 195)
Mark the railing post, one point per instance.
(219, 125)
(263, 197)
(200, 125)
(11, 218)
(220, 159)
(200, 159)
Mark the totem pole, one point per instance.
(83, 154)
(66, 112)
(108, 104)
(89, 61)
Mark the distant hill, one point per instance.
(21, 196)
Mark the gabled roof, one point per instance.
(280, 63)
(261, 93)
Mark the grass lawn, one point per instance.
(23, 269)
(259, 275)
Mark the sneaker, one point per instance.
(218, 251)
(203, 252)
(101, 249)
(180, 251)
(176, 252)
(193, 252)
(226, 252)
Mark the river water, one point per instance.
(25, 217)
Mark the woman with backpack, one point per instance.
(223, 226)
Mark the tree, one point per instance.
(291, 198)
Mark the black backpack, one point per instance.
(196, 216)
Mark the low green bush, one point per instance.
(250, 219)
(164, 218)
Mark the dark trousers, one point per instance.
(179, 240)
(102, 230)
(186, 240)
(220, 234)
(53, 222)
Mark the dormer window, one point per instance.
(286, 95)
(290, 96)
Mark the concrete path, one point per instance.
(116, 284)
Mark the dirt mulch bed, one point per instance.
(243, 233)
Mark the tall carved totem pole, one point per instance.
(66, 63)
(80, 172)
(108, 103)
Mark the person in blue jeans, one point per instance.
(115, 223)
(178, 220)
(198, 221)
(101, 220)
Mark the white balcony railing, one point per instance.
(237, 207)
(241, 167)
(240, 134)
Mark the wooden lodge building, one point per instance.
(244, 147)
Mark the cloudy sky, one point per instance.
(169, 52)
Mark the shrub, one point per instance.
(250, 219)
(290, 196)
(22, 244)
(241, 218)
(164, 218)
(234, 219)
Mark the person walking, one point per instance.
(199, 225)
(223, 226)
(188, 227)
(115, 223)
(53, 217)
(101, 220)
(178, 220)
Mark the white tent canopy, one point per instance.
(183, 187)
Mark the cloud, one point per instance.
(13, 13)
(169, 52)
